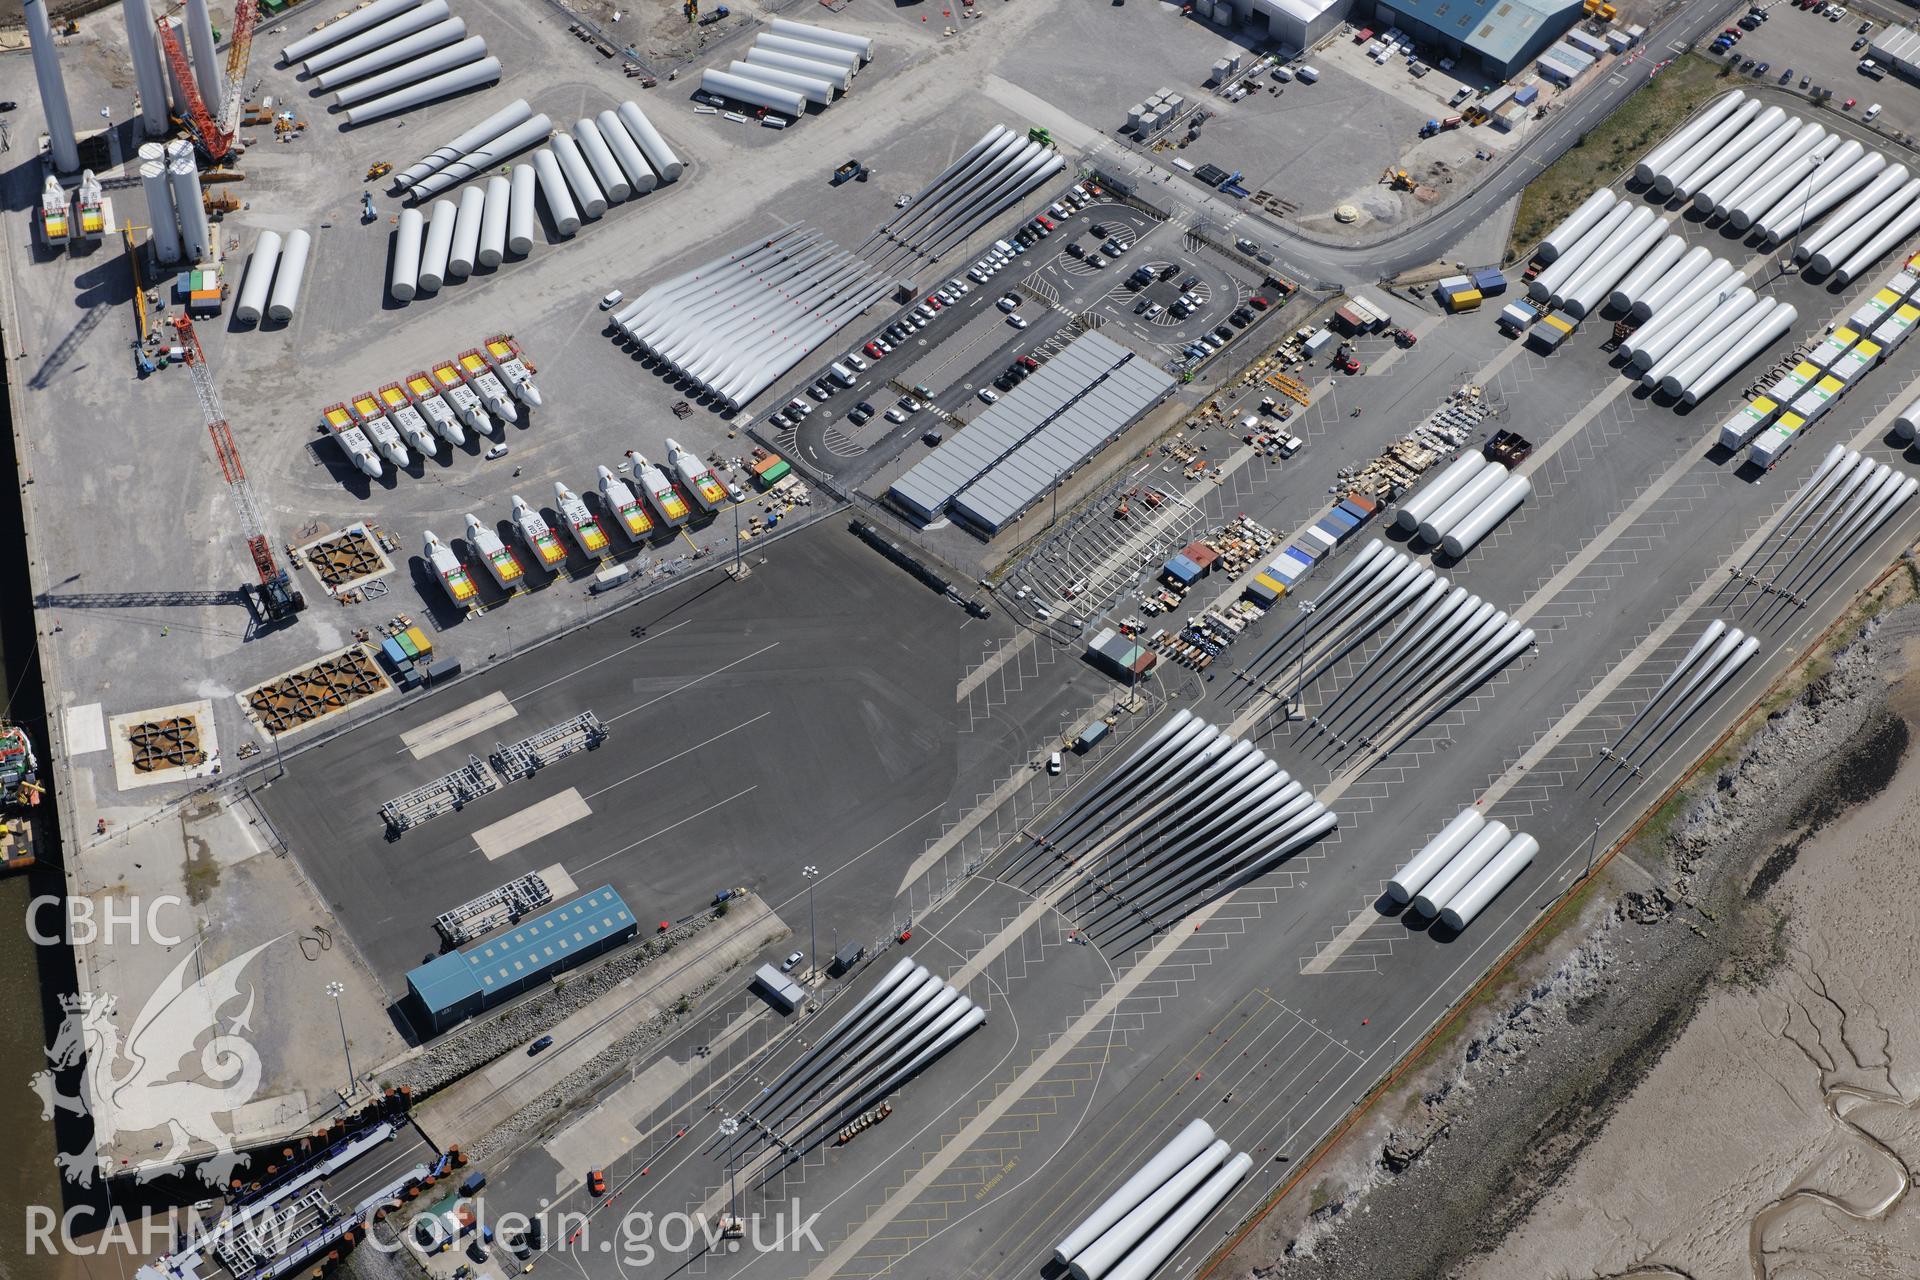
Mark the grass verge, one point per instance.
(1600, 154)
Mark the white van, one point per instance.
(1003, 247)
(1306, 75)
(841, 374)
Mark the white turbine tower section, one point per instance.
(1689, 306)
(1183, 1222)
(1485, 518)
(837, 76)
(1414, 511)
(1655, 161)
(383, 37)
(407, 242)
(1669, 285)
(1785, 146)
(640, 175)
(588, 197)
(1871, 196)
(1597, 281)
(815, 91)
(520, 211)
(1455, 509)
(292, 274)
(334, 32)
(490, 155)
(1434, 855)
(1798, 210)
(1651, 269)
(441, 61)
(433, 258)
(553, 186)
(1847, 244)
(148, 74)
(196, 238)
(493, 221)
(481, 134)
(660, 157)
(1196, 1137)
(1607, 254)
(1570, 263)
(1493, 878)
(164, 232)
(1835, 162)
(253, 294)
(824, 35)
(1120, 1240)
(1904, 224)
(1699, 162)
(465, 250)
(606, 170)
(1576, 224)
(383, 56)
(1795, 178)
(1908, 423)
(809, 49)
(1739, 133)
(1746, 153)
(1708, 353)
(62, 145)
(1699, 335)
(1776, 325)
(753, 92)
(459, 80)
(206, 67)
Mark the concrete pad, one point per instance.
(558, 882)
(86, 729)
(542, 818)
(124, 775)
(458, 725)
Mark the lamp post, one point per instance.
(335, 990)
(728, 1127)
(810, 873)
(1806, 195)
(1593, 845)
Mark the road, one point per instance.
(1327, 265)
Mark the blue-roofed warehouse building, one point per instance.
(449, 989)
(1502, 36)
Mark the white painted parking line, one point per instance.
(542, 818)
(679, 754)
(696, 680)
(443, 731)
(629, 848)
(562, 679)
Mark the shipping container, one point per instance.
(1318, 537)
(1515, 317)
(1873, 310)
(1903, 282)
(1772, 444)
(1334, 528)
(406, 645)
(773, 475)
(1490, 282)
(1527, 94)
(1465, 300)
(1341, 522)
(1550, 332)
(419, 638)
(1816, 399)
(1451, 284)
(1347, 506)
(1856, 363)
(1181, 570)
(1749, 421)
(1265, 590)
(1893, 330)
(1837, 344)
(1089, 737)
(1360, 502)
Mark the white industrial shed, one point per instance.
(1898, 48)
(1293, 24)
(1014, 453)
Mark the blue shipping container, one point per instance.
(1306, 553)
(1343, 521)
(1489, 281)
(1332, 530)
(1527, 94)
(1359, 516)
(395, 654)
(1183, 570)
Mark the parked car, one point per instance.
(1870, 112)
(596, 1182)
(896, 414)
(612, 300)
(1095, 260)
(1018, 322)
(1258, 303)
(1075, 251)
(540, 1046)
(1859, 44)
(1008, 303)
(792, 962)
(1098, 230)
(859, 418)
(986, 395)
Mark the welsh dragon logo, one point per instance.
(137, 1076)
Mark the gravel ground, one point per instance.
(1483, 1137)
